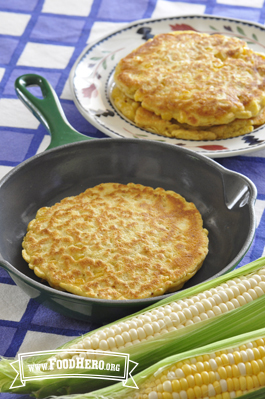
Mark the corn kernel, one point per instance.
(197, 392)
(198, 379)
(176, 386)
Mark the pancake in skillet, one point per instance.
(188, 82)
(117, 241)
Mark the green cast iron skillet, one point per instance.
(224, 198)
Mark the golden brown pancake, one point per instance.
(117, 241)
(147, 120)
(195, 81)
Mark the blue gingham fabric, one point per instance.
(46, 37)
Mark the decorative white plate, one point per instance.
(91, 79)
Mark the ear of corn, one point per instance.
(227, 369)
(217, 309)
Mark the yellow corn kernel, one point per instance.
(248, 368)
(243, 383)
(250, 384)
(166, 395)
(212, 377)
(230, 385)
(261, 378)
(198, 379)
(229, 372)
(176, 386)
(197, 392)
(255, 367)
(261, 364)
(191, 381)
(255, 381)
(235, 371)
(236, 385)
(160, 388)
(199, 367)
(217, 387)
(190, 393)
(184, 384)
(237, 357)
(204, 390)
(224, 358)
(261, 351)
(205, 377)
(222, 372)
(187, 370)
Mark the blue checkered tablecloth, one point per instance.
(46, 37)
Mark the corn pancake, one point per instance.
(194, 78)
(117, 241)
(149, 121)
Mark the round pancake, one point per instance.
(154, 123)
(194, 78)
(117, 241)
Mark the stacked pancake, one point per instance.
(117, 241)
(192, 85)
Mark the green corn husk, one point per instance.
(241, 320)
(119, 391)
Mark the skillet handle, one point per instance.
(47, 110)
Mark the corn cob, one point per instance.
(232, 368)
(169, 327)
(177, 314)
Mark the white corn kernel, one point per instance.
(126, 336)
(141, 333)
(87, 343)
(179, 373)
(241, 300)
(119, 340)
(210, 314)
(194, 310)
(167, 386)
(229, 293)
(133, 334)
(200, 307)
(103, 345)
(153, 395)
(252, 293)
(155, 326)
(111, 342)
(235, 290)
(94, 342)
(182, 317)
(213, 364)
(148, 329)
(187, 313)
(223, 296)
(247, 297)
(246, 283)
(217, 310)
(197, 319)
(176, 307)
(235, 303)
(241, 288)
(217, 299)
(206, 304)
(168, 321)
(203, 316)
(242, 368)
(230, 305)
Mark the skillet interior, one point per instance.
(224, 198)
